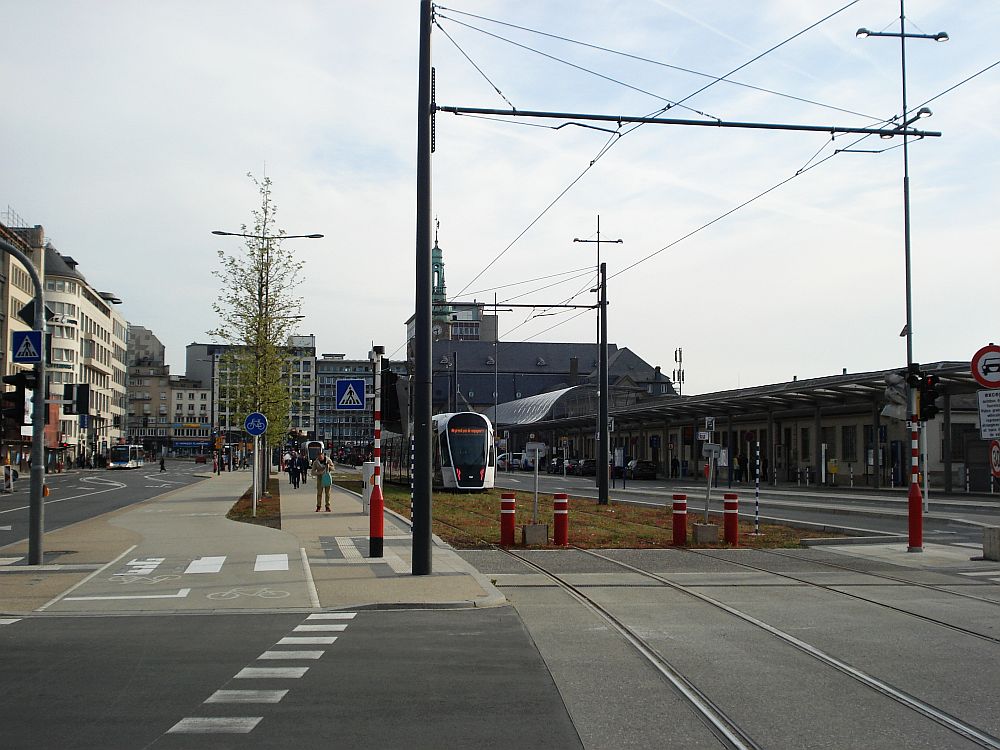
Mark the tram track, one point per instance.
(711, 713)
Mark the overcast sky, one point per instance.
(128, 129)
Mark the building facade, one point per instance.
(346, 428)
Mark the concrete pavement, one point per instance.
(179, 553)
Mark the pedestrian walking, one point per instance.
(293, 471)
(163, 464)
(322, 469)
(304, 467)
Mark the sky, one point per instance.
(130, 127)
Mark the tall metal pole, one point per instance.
(422, 563)
(36, 507)
(602, 443)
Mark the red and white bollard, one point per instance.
(731, 518)
(560, 518)
(376, 521)
(508, 509)
(680, 520)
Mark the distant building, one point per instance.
(341, 427)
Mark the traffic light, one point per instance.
(78, 396)
(928, 396)
(13, 401)
(913, 375)
(395, 402)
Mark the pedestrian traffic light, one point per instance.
(913, 375)
(928, 396)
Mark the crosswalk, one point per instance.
(145, 567)
(990, 575)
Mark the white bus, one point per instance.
(125, 457)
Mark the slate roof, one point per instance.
(57, 264)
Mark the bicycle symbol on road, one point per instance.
(263, 593)
(148, 580)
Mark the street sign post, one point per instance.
(995, 458)
(350, 394)
(26, 345)
(255, 424)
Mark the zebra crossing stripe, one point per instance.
(256, 673)
(333, 616)
(10, 620)
(328, 628)
(307, 640)
(246, 696)
(216, 725)
(290, 655)
(271, 562)
(206, 565)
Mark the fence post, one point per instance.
(560, 520)
(680, 520)
(508, 508)
(731, 519)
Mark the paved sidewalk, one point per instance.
(328, 565)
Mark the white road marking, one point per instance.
(10, 620)
(348, 549)
(981, 573)
(271, 562)
(206, 565)
(78, 585)
(216, 725)
(288, 673)
(5, 528)
(307, 640)
(181, 593)
(328, 628)
(141, 567)
(310, 583)
(9, 560)
(246, 696)
(278, 655)
(333, 616)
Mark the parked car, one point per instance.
(555, 465)
(640, 469)
(201, 459)
(510, 461)
(572, 464)
(587, 468)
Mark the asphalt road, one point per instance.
(420, 679)
(81, 494)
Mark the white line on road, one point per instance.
(271, 562)
(246, 696)
(310, 583)
(73, 588)
(9, 620)
(206, 565)
(328, 628)
(181, 593)
(290, 655)
(333, 616)
(288, 673)
(6, 528)
(307, 640)
(9, 560)
(216, 725)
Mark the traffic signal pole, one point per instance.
(36, 508)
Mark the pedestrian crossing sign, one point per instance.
(351, 394)
(27, 346)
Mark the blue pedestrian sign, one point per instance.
(351, 394)
(255, 423)
(27, 346)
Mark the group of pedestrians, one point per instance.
(298, 467)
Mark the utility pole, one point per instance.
(603, 451)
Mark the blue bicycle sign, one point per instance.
(255, 423)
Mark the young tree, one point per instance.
(257, 310)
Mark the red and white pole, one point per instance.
(560, 520)
(731, 518)
(508, 509)
(376, 533)
(915, 498)
(680, 520)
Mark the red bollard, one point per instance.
(730, 528)
(508, 508)
(680, 520)
(560, 520)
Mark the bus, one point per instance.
(463, 450)
(125, 457)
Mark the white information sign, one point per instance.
(989, 414)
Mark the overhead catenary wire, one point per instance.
(616, 138)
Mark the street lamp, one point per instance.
(915, 499)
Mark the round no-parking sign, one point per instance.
(986, 366)
(995, 457)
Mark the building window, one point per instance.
(806, 448)
(849, 443)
